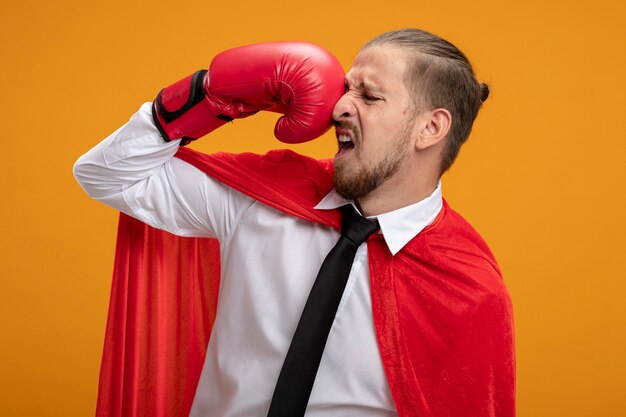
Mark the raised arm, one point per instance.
(133, 170)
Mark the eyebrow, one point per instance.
(364, 85)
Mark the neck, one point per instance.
(399, 191)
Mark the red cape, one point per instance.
(442, 314)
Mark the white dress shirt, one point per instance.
(269, 263)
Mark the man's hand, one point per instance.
(300, 80)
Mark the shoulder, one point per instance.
(277, 163)
(452, 252)
(283, 179)
(453, 234)
(284, 163)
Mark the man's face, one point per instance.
(374, 122)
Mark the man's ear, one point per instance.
(433, 129)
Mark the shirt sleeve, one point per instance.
(134, 171)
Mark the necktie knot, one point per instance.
(356, 227)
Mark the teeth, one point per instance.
(344, 138)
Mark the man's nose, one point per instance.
(344, 108)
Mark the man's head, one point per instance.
(408, 92)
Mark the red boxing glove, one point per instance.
(300, 80)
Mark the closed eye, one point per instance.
(369, 98)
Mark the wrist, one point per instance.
(183, 110)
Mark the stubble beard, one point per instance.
(355, 182)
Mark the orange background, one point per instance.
(542, 177)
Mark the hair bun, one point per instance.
(484, 92)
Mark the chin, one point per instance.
(353, 185)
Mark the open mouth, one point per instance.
(345, 143)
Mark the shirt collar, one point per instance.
(398, 226)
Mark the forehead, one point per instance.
(379, 66)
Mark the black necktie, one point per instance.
(297, 375)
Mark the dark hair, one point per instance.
(441, 76)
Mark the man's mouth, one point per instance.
(345, 142)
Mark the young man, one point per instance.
(423, 326)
